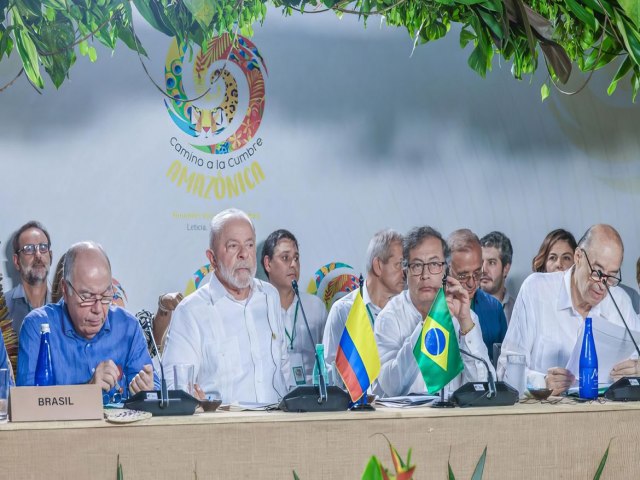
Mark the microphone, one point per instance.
(627, 388)
(305, 398)
(490, 381)
(171, 402)
(484, 394)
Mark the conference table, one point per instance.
(531, 440)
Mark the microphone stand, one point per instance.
(322, 384)
(490, 381)
(627, 388)
(308, 398)
(172, 402)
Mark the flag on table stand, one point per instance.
(357, 359)
(437, 351)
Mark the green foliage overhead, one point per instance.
(559, 34)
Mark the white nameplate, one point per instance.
(60, 402)
(478, 387)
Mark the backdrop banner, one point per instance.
(317, 125)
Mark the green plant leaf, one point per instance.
(603, 462)
(582, 14)
(632, 10)
(544, 91)
(28, 53)
(150, 12)
(295, 476)
(373, 470)
(479, 470)
(623, 69)
(202, 11)
(119, 474)
(629, 37)
(451, 476)
(465, 37)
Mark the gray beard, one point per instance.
(229, 278)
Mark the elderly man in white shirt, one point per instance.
(384, 280)
(551, 307)
(281, 261)
(399, 324)
(231, 329)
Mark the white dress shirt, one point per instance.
(337, 319)
(544, 325)
(397, 330)
(237, 347)
(296, 336)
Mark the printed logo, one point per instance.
(217, 101)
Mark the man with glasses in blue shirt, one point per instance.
(92, 341)
(550, 310)
(32, 259)
(466, 267)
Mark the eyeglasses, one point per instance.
(89, 300)
(598, 276)
(464, 278)
(30, 248)
(417, 268)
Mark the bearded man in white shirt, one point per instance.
(384, 280)
(231, 329)
(399, 324)
(551, 307)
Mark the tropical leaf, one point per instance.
(623, 69)
(479, 470)
(632, 10)
(374, 470)
(603, 462)
(28, 53)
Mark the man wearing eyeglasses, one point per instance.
(92, 341)
(32, 259)
(399, 324)
(551, 307)
(466, 267)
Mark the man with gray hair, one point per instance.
(549, 313)
(92, 341)
(497, 255)
(384, 280)
(466, 267)
(231, 329)
(399, 324)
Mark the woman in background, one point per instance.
(556, 252)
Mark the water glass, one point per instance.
(183, 377)
(514, 373)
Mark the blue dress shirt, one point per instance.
(75, 358)
(4, 362)
(493, 322)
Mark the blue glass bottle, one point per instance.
(44, 367)
(588, 364)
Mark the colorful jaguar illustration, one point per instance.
(192, 117)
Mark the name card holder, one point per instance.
(60, 402)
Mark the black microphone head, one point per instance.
(294, 285)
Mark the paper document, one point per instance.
(248, 406)
(613, 345)
(408, 401)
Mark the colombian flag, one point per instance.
(437, 351)
(357, 359)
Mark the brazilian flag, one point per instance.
(437, 351)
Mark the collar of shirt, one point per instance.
(19, 292)
(375, 310)
(69, 329)
(406, 297)
(506, 298)
(564, 296)
(217, 290)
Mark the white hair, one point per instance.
(218, 222)
(70, 257)
(380, 246)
